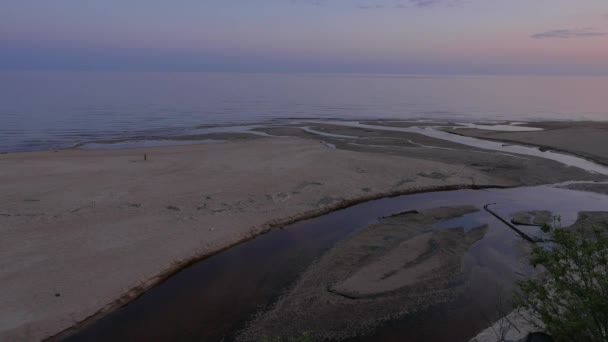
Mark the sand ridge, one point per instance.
(398, 266)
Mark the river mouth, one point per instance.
(219, 134)
(218, 298)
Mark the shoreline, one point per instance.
(555, 136)
(257, 185)
(64, 234)
(137, 292)
(191, 134)
(152, 308)
(542, 148)
(202, 138)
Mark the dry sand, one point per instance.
(83, 231)
(86, 231)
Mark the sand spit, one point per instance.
(532, 218)
(586, 139)
(398, 266)
(86, 231)
(519, 169)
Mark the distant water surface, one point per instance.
(43, 110)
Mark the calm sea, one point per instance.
(42, 110)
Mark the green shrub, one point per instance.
(571, 298)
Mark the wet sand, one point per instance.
(518, 169)
(85, 231)
(600, 188)
(399, 266)
(587, 139)
(532, 218)
(214, 299)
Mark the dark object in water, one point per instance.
(525, 224)
(522, 234)
(407, 212)
(145, 156)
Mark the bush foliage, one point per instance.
(571, 298)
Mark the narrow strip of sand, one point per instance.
(586, 139)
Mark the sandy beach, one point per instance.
(296, 170)
(84, 232)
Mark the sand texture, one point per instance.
(536, 217)
(518, 169)
(83, 232)
(600, 188)
(587, 139)
(398, 266)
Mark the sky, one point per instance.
(361, 36)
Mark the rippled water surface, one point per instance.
(57, 109)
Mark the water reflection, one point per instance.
(215, 298)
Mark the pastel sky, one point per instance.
(393, 36)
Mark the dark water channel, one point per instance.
(212, 300)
